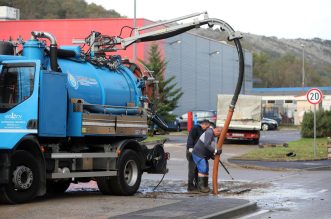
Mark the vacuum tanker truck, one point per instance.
(70, 115)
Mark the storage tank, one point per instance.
(102, 89)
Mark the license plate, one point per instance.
(237, 135)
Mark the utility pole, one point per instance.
(303, 66)
(134, 26)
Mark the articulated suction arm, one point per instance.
(167, 32)
(170, 31)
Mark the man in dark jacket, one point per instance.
(192, 139)
(203, 150)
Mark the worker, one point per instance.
(204, 149)
(192, 139)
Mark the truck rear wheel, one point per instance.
(24, 179)
(128, 178)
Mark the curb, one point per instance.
(283, 165)
(232, 212)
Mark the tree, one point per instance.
(169, 94)
(283, 71)
(57, 9)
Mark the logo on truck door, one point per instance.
(13, 121)
(13, 116)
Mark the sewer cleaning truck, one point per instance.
(70, 115)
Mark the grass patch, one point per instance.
(289, 127)
(303, 149)
(154, 138)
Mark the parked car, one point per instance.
(273, 115)
(268, 124)
(200, 116)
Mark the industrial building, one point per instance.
(288, 105)
(204, 68)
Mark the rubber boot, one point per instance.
(203, 184)
(191, 187)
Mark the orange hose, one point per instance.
(219, 146)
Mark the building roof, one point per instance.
(287, 90)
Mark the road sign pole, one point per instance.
(314, 96)
(314, 131)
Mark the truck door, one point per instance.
(18, 100)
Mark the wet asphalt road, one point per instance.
(267, 137)
(279, 194)
(286, 194)
(279, 137)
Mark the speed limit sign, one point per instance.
(314, 96)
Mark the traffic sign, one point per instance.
(314, 96)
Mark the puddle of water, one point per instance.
(271, 196)
(88, 187)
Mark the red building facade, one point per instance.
(65, 30)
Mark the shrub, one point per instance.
(323, 124)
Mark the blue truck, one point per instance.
(69, 115)
(64, 119)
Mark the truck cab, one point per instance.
(19, 87)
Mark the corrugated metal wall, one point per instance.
(203, 69)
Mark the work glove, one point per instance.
(218, 151)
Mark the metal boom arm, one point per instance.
(166, 32)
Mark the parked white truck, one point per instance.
(246, 119)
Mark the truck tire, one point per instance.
(127, 181)
(25, 179)
(57, 187)
(104, 185)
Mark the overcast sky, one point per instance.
(280, 18)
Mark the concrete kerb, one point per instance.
(233, 212)
(283, 165)
(199, 207)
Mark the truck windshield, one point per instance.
(16, 84)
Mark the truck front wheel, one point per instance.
(24, 179)
(128, 178)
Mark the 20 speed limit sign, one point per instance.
(314, 96)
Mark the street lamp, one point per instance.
(303, 65)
